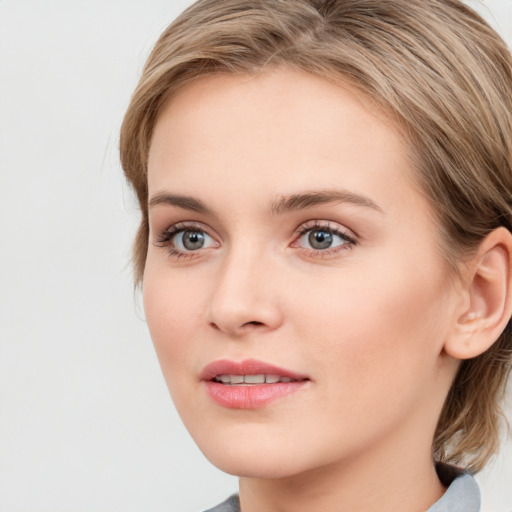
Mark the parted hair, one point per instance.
(436, 68)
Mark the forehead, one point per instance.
(272, 125)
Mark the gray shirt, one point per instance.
(462, 494)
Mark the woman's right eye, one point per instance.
(192, 240)
(185, 240)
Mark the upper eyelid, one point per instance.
(328, 225)
(186, 225)
(162, 238)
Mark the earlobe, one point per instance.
(488, 304)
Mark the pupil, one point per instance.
(193, 240)
(320, 239)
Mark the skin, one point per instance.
(365, 321)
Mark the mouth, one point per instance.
(250, 380)
(249, 372)
(249, 384)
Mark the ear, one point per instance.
(487, 290)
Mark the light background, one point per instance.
(86, 424)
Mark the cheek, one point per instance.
(172, 313)
(379, 328)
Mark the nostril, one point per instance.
(240, 329)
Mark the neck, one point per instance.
(394, 478)
(413, 490)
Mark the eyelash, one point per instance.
(165, 238)
(326, 226)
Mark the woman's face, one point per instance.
(294, 288)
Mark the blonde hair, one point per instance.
(436, 67)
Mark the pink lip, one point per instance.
(253, 396)
(246, 367)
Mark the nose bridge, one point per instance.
(244, 297)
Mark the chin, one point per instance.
(256, 465)
(253, 456)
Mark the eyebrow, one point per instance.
(282, 205)
(185, 202)
(313, 198)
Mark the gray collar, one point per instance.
(462, 495)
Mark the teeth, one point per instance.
(251, 379)
(254, 379)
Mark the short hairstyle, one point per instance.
(433, 66)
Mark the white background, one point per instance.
(86, 424)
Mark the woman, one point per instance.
(325, 246)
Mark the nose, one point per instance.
(245, 295)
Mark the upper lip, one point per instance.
(246, 367)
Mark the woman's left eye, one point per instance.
(322, 238)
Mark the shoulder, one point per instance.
(462, 493)
(232, 504)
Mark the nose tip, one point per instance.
(243, 317)
(242, 301)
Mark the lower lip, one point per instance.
(254, 396)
